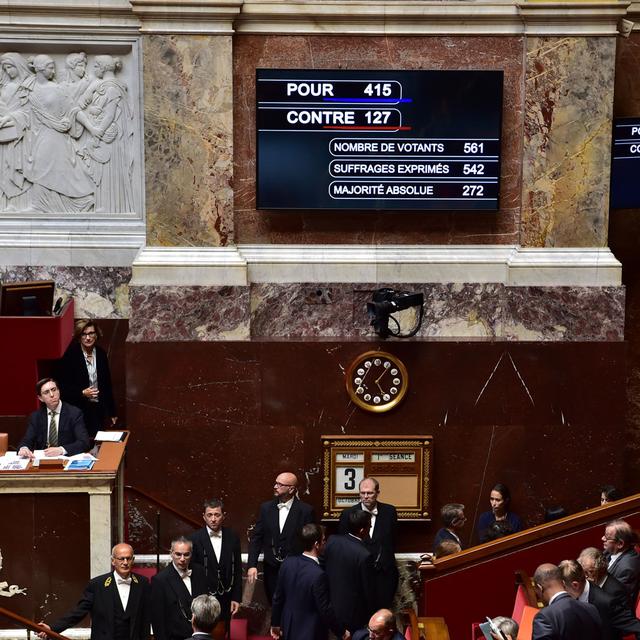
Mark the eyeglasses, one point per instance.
(48, 392)
(605, 539)
(280, 484)
(89, 334)
(177, 554)
(124, 559)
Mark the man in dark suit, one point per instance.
(594, 565)
(564, 618)
(301, 604)
(381, 540)
(118, 602)
(205, 611)
(453, 520)
(617, 620)
(276, 531)
(382, 626)
(217, 550)
(619, 542)
(350, 569)
(56, 427)
(173, 590)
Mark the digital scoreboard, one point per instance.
(378, 139)
(625, 164)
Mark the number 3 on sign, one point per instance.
(348, 479)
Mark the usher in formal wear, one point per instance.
(275, 544)
(109, 619)
(224, 574)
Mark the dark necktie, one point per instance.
(53, 429)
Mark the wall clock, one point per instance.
(377, 381)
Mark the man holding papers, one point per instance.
(56, 427)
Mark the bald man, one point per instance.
(276, 532)
(563, 618)
(118, 602)
(382, 626)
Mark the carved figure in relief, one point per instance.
(60, 182)
(65, 146)
(108, 155)
(14, 130)
(76, 81)
(7, 590)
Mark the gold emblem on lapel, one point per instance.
(134, 578)
(107, 582)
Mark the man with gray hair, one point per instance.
(453, 520)
(205, 611)
(619, 542)
(594, 565)
(507, 626)
(173, 591)
(617, 620)
(118, 602)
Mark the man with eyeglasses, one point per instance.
(56, 427)
(173, 591)
(623, 561)
(118, 602)
(381, 540)
(382, 626)
(217, 550)
(276, 531)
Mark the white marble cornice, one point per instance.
(245, 264)
(572, 18)
(359, 17)
(67, 17)
(196, 17)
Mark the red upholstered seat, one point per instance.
(238, 629)
(147, 572)
(519, 604)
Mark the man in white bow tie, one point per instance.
(173, 590)
(276, 531)
(217, 550)
(118, 602)
(381, 541)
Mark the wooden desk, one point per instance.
(99, 484)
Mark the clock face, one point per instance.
(377, 381)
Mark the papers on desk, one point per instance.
(109, 436)
(79, 465)
(11, 462)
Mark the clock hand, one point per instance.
(380, 377)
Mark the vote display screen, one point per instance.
(625, 163)
(376, 140)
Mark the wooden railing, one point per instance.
(30, 624)
(165, 505)
(477, 582)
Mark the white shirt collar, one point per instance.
(55, 409)
(213, 534)
(373, 512)
(286, 505)
(308, 555)
(556, 595)
(584, 596)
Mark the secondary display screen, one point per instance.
(378, 139)
(625, 164)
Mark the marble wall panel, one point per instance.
(627, 84)
(188, 140)
(486, 311)
(336, 52)
(163, 314)
(567, 135)
(99, 292)
(224, 418)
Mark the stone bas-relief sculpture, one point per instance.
(9, 590)
(65, 146)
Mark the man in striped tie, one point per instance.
(56, 427)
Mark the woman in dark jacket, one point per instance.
(85, 379)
